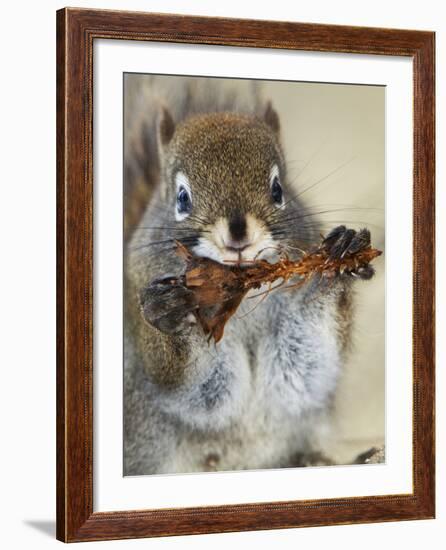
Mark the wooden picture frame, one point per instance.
(76, 31)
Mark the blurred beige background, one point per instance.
(340, 130)
(333, 137)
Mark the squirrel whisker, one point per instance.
(185, 240)
(167, 228)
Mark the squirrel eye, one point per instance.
(184, 202)
(276, 191)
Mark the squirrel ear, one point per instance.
(166, 126)
(271, 118)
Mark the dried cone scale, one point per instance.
(219, 289)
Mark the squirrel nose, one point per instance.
(237, 238)
(237, 227)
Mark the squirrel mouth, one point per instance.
(234, 254)
(237, 249)
(244, 255)
(224, 246)
(237, 258)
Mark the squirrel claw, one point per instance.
(342, 242)
(167, 305)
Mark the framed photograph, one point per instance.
(245, 225)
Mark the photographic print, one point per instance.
(254, 274)
(245, 275)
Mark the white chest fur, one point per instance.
(274, 375)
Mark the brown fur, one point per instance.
(229, 156)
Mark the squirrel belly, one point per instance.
(218, 182)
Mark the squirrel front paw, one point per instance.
(167, 305)
(342, 242)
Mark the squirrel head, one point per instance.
(224, 177)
